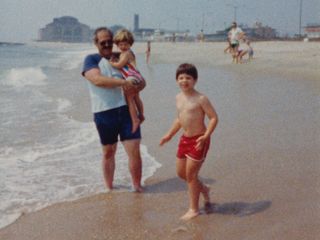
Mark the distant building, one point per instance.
(136, 22)
(221, 35)
(260, 32)
(65, 29)
(312, 31)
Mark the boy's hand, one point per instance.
(164, 139)
(200, 142)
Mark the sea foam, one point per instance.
(21, 77)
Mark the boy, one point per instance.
(192, 108)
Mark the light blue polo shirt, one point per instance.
(102, 98)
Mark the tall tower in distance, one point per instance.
(136, 22)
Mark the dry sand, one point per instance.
(263, 169)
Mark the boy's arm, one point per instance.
(212, 115)
(172, 131)
(124, 59)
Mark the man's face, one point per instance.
(104, 43)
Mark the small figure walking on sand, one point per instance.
(148, 52)
(192, 108)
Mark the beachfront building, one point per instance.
(158, 34)
(259, 32)
(312, 31)
(65, 29)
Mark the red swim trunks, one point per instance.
(187, 148)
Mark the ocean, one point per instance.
(49, 147)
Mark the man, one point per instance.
(234, 36)
(111, 114)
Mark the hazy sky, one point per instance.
(21, 19)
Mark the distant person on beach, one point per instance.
(148, 52)
(127, 66)
(110, 110)
(234, 36)
(245, 48)
(192, 107)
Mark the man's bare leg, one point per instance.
(108, 164)
(132, 148)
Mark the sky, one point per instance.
(21, 19)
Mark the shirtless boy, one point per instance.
(192, 107)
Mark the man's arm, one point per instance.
(94, 75)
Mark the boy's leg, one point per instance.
(181, 165)
(194, 188)
(133, 112)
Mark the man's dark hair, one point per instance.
(187, 68)
(99, 29)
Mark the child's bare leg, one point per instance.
(194, 188)
(133, 112)
(139, 106)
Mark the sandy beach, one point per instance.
(263, 166)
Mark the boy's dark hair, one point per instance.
(187, 68)
(99, 29)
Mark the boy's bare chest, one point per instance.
(188, 107)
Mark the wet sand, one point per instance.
(263, 166)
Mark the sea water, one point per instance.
(49, 147)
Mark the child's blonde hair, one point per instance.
(123, 35)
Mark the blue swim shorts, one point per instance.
(114, 123)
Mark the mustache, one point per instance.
(107, 47)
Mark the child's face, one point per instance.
(186, 82)
(124, 46)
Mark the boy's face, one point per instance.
(124, 46)
(186, 82)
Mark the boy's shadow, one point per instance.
(172, 185)
(239, 209)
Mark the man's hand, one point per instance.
(128, 85)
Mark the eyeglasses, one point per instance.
(106, 43)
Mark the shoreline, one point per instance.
(155, 213)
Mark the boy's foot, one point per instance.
(135, 125)
(189, 215)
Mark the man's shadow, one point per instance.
(239, 209)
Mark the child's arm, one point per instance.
(213, 121)
(172, 131)
(124, 59)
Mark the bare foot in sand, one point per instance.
(190, 214)
(135, 124)
(137, 189)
